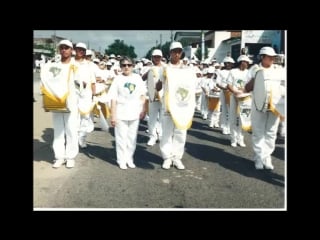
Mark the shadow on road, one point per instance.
(232, 162)
(42, 151)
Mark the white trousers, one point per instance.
(154, 124)
(224, 120)
(173, 139)
(236, 133)
(204, 105)
(198, 101)
(264, 133)
(65, 142)
(126, 140)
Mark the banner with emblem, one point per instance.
(180, 96)
(55, 86)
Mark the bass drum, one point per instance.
(260, 93)
(268, 91)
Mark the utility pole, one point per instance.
(160, 40)
(55, 41)
(171, 36)
(202, 45)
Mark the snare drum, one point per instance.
(213, 102)
(104, 109)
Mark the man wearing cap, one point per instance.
(173, 135)
(153, 75)
(85, 82)
(264, 123)
(58, 78)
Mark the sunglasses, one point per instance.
(126, 65)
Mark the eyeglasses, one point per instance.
(126, 65)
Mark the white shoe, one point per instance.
(131, 165)
(82, 142)
(58, 163)
(152, 141)
(258, 165)
(70, 163)
(225, 131)
(241, 144)
(167, 163)
(123, 166)
(233, 144)
(267, 164)
(178, 164)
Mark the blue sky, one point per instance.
(141, 40)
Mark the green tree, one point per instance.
(198, 53)
(164, 48)
(120, 48)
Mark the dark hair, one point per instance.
(125, 58)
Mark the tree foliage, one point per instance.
(120, 48)
(198, 53)
(164, 48)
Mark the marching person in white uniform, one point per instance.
(264, 123)
(236, 81)
(65, 124)
(225, 94)
(154, 74)
(174, 137)
(213, 99)
(128, 106)
(85, 82)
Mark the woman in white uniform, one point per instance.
(128, 106)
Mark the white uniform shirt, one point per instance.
(237, 78)
(127, 92)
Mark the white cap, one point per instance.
(88, 52)
(81, 45)
(112, 56)
(66, 42)
(109, 63)
(96, 60)
(175, 45)
(243, 58)
(228, 59)
(185, 59)
(267, 51)
(157, 52)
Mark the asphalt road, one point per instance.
(217, 176)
